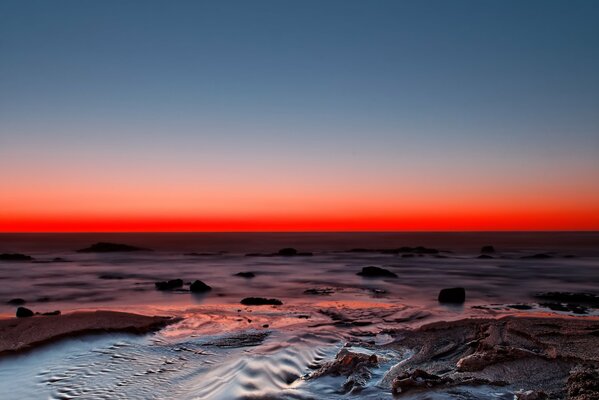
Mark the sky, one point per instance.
(299, 115)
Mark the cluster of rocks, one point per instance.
(23, 312)
(285, 252)
(196, 286)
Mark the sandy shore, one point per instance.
(20, 334)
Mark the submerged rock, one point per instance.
(452, 295)
(376, 272)
(540, 256)
(571, 297)
(106, 247)
(320, 291)
(260, 301)
(290, 251)
(199, 287)
(23, 312)
(169, 285)
(485, 257)
(15, 257)
(16, 302)
(247, 275)
(51, 313)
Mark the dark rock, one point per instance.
(15, 257)
(530, 395)
(407, 255)
(320, 291)
(570, 297)
(110, 276)
(16, 302)
(287, 251)
(199, 287)
(105, 247)
(376, 272)
(245, 274)
(566, 307)
(487, 249)
(23, 312)
(485, 257)
(520, 306)
(260, 301)
(51, 313)
(452, 295)
(265, 326)
(583, 383)
(540, 256)
(169, 285)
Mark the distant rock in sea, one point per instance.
(23, 312)
(15, 257)
(540, 256)
(290, 251)
(106, 247)
(452, 295)
(169, 285)
(199, 287)
(376, 272)
(260, 301)
(16, 302)
(488, 249)
(485, 257)
(247, 275)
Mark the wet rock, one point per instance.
(199, 287)
(260, 301)
(23, 312)
(485, 257)
(376, 272)
(16, 302)
(566, 307)
(169, 285)
(570, 297)
(290, 252)
(583, 383)
(481, 359)
(530, 395)
(15, 257)
(106, 247)
(247, 275)
(417, 379)
(243, 339)
(520, 306)
(488, 249)
(452, 295)
(320, 291)
(355, 366)
(51, 313)
(540, 256)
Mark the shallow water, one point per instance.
(223, 350)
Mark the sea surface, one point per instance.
(224, 350)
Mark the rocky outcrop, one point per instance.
(106, 247)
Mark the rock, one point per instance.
(260, 301)
(169, 285)
(15, 257)
(540, 256)
(571, 297)
(287, 251)
(355, 366)
(23, 312)
(481, 359)
(247, 275)
(51, 313)
(583, 383)
(106, 247)
(199, 287)
(530, 395)
(452, 295)
(376, 272)
(16, 301)
(485, 257)
(487, 249)
(320, 291)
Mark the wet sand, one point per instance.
(21, 334)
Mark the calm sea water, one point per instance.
(185, 360)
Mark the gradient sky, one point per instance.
(298, 115)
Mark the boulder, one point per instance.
(488, 249)
(23, 312)
(452, 295)
(376, 272)
(260, 301)
(199, 287)
(106, 247)
(169, 285)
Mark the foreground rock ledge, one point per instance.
(25, 333)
